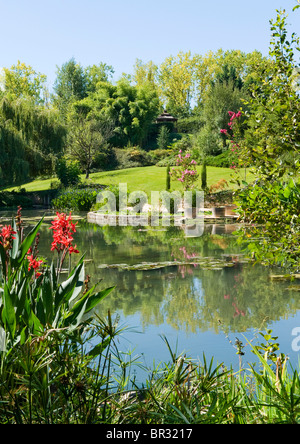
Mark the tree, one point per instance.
(97, 73)
(22, 81)
(145, 73)
(40, 130)
(70, 85)
(209, 67)
(272, 136)
(163, 137)
(271, 145)
(87, 138)
(14, 168)
(131, 108)
(177, 83)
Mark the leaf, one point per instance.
(3, 260)
(8, 312)
(99, 348)
(70, 288)
(47, 300)
(85, 305)
(35, 324)
(97, 297)
(15, 241)
(26, 244)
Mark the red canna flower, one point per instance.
(63, 230)
(6, 237)
(34, 263)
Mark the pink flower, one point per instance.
(223, 131)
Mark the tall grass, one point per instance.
(59, 379)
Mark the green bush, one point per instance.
(189, 125)
(14, 199)
(76, 199)
(171, 200)
(131, 158)
(68, 172)
(223, 160)
(116, 191)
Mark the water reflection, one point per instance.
(188, 295)
(203, 287)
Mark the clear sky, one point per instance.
(47, 33)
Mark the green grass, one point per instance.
(145, 179)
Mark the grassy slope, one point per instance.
(146, 179)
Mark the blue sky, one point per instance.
(47, 33)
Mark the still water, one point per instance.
(199, 292)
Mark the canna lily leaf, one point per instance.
(70, 288)
(19, 255)
(8, 312)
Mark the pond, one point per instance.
(199, 292)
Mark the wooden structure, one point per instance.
(165, 117)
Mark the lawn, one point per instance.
(145, 179)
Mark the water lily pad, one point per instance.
(206, 263)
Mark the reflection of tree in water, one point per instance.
(188, 298)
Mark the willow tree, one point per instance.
(39, 129)
(14, 168)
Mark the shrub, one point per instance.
(116, 191)
(14, 198)
(223, 160)
(171, 200)
(76, 199)
(131, 158)
(204, 176)
(68, 172)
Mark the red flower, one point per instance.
(34, 263)
(6, 236)
(63, 230)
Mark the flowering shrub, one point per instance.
(234, 144)
(186, 171)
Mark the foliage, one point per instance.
(68, 172)
(75, 199)
(163, 138)
(87, 139)
(176, 81)
(14, 168)
(271, 145)
(131, 157)
(186, 171)
(274, 209)
(271, 138)
(34, 134)
(168, 179)
(14, 198)
(204, 175)
(22, 82)
(33, 298)
(70, 85)
(221, 160)
(131, 108)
